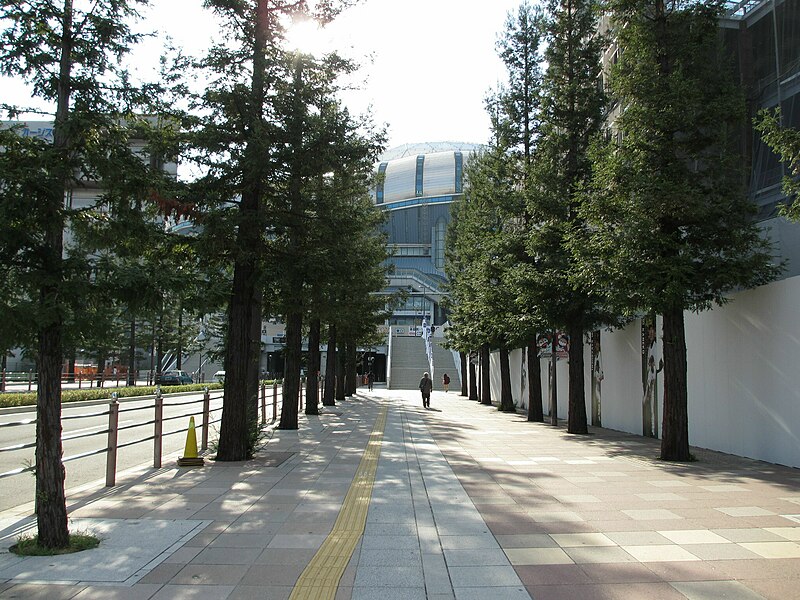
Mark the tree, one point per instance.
(489, 241)
(785, 142)
(70, 58)
(670, 227)
(572, 111)
(329, 161)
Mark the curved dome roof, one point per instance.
(422, 174)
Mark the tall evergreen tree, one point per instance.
(671, 228)
(572, 111)
(70, 57)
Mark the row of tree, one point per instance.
(281, 219)
(604, 196)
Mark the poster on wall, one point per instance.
(597, 378)
(544, 341)
(652, 363)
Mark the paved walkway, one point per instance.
(466, 503)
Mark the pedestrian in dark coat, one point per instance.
(426, 387)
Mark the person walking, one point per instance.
(445, 382)
(370, 380)
(426, 387)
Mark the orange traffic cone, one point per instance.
(190, 458)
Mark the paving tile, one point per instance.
(529, 540)
(655, 514)
(296, 541)
(620, 572)
(272, 575)
(192, 592)
(773, 549)
(569, 540)
(565, 574)
(468, 541)
(384, 593)
(99, 592)
(578, 499)
(789, 533)
(637, 538)
(227, 556)
(555, 516)
(206, 575)
(601, 554)
(622, 591)
(721, 552)
(752, 534)
(693, 536)
(387, 557)
(388, 542)
(388, 577)
(497, 593)
(659, 553)
(260, 592)
(745, 511)
(693, 570)
(712, 590)
(537, 556)
(486, 577)
(773, 589)
(475, 557)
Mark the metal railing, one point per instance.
(21, 381)
(112, 447)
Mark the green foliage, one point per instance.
(28, 545)
(785, 142)
(669, 223)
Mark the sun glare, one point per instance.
(306, 36)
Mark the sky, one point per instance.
(432, 61)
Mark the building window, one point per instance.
(459, 172)
(439, 233)
(381, 180)
(420, 171)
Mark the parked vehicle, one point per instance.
(175, 378)
(220, 376)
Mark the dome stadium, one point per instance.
(416, 187)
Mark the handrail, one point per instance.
(111, 431)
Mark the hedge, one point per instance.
(29, 398)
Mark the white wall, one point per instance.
(743, 376)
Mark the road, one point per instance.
(19, 489)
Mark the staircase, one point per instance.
(409, 363)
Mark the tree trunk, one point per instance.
(240, 398)
(160, 347)
(351, 377)
(131, 379)
(239, 426)
(101, 369)
(486, 391)
(312, 381)
(51, 504)
(576, 419)
(463, 358)
(70, 365)
(473, 380)
(554, 379)
(506, 397)
(179, 352)
(535, 410)
(291, 378)
(328, 398)
(675, 432)
(340, 354)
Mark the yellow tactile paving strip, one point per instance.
(320, 579)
